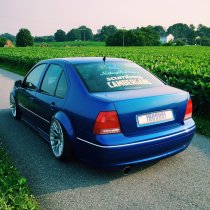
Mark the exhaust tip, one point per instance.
(126, 170)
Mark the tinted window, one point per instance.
(115, 76)
(51, 79)
(33, 78)
(62, 87)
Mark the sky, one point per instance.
(44, 17)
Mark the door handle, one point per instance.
(53, 106)
(31, 98)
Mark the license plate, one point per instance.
(154, 118)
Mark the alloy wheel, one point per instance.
(13, 106)
(56, 138)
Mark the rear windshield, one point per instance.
(115, 76)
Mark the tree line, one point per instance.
(144, 36)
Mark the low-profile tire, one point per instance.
(59, 142)
(15, 110)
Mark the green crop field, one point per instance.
(186, 67)
(70, 44)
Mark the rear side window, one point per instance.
(62, 87)
(51, 79)
(115, 76)
(33, 77)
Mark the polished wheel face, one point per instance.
(56, 138)
(13, 106)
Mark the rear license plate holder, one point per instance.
(153, 118)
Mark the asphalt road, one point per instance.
(179, 182)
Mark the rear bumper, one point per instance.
(137, 150)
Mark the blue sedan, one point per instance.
(107, 112)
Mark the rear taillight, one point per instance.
(188, 112)
(107, 123)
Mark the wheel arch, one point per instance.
(13, 93)
(66, 123)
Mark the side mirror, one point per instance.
(18, 83)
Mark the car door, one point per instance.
(51, 96)
(27, 93)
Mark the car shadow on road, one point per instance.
(33, 158)
(202, 147)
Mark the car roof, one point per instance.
(80, 60)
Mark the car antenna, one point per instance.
(104, 59)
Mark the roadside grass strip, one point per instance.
(14, 191)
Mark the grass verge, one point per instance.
(203, 124)
(202, 121)
(14, 192)
(14, 68)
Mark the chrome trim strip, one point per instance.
(136, 143)
(34, 113)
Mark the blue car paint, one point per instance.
(77, 113)
(138, 104)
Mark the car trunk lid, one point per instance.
(164, 106)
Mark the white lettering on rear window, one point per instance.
(122, 81)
